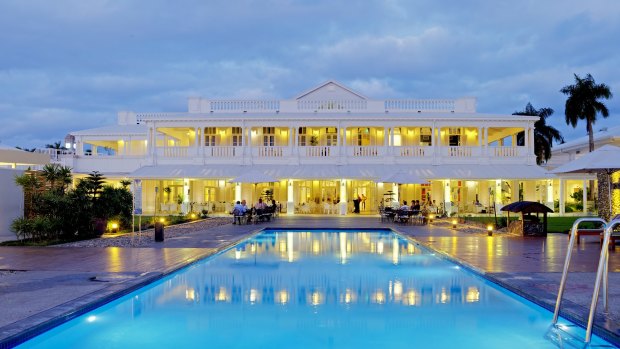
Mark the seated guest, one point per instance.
(405, 207)
(260, 205)
(238, 211)
(416, 205)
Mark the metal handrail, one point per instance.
(601, 275)
(571, 244)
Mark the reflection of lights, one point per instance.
(398, 290)
(237, 254)
(222, 295)
(380, 247)
(411, 298)
(291, 251)
(348, 296)
(444, 296)
(283, 296)
(395, 251)
(473, 295)
(410, 249)
(379, 297)
(316, 246)
(343, 247)
(253, 295)
(317, 298)
(190, 294)
(282, 246)
(253, 248)
(91, 318)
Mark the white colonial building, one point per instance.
(327, 145)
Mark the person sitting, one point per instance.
(260, 205)
(416, 205)
(405, 207)
(238, 212)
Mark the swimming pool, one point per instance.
(313, 289)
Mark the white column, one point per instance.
(196, 140)
(237, 192)
(561, 196)
(80, 146)
(186, 194)
(396, 193)
(549, 184)
(385, 136)
(343, 196)
(290, 198)
(585, 196)
(486, 141)
(526, 141)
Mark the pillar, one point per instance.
(486, 141)
(550, 194)
(396, 193)
(561, 195)
(447, 204)
(186, 194)
(584, 197)
(343, 197)
(290, 198)
(237, 192)
(385, 136)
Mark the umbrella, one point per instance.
(604, 159)
(253, 177)
(403, 178)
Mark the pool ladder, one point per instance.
(601, 271)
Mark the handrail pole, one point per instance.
(603, 260)
(569, 252)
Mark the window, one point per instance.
(363, 136)
(209, 194)
(269, 137)
(454, 136)
(331, 137)
(302, 132)
(426, 137)
(237, 137)
(210, 133)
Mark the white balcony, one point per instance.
(413, 151)
(223, 152)
(270, 152)
(176, 152)
(318, 152)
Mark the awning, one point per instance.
(361, 172)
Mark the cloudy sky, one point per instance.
(68, 65)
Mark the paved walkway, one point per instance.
(40, 284)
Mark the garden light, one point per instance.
(490, 229)
(193, 215)
(162, 220)
(114, 227)
(430, 218)
(454, 221)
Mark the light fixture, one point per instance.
(454, 221)
(430, 218)
(490, 229)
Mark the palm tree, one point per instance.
(583, 103)
(544, 134)
(56, 145)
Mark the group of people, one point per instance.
(260, 208)
(415, 206)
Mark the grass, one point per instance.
(554, 224)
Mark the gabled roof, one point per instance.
(330, 87)
(604, 136)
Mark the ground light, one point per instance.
(454, 221)
(430, 218)
(193, 216)
(490, 230)
(162, 220)
(114, 227)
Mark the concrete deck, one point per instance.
(40, 285)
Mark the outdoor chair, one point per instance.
(239, 217)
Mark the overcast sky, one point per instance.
(69, 65)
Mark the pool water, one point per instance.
(314, 289)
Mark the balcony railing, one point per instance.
(223, 151)
(506, 152)
(365, 151)
(318, 151)
(176, 152)
(413, 151)
(461, 152)
(270, 152)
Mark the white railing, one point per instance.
(505, 152)
(223, 151)
(56, 154)
(420, 104)
(318, 151)
(413, 151)
(461, 152)
(365, 151)
(244, 105)
(331, 105)
(175, 152)
(269, 152)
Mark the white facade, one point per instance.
(328, 134)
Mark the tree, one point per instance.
(583, 103)
(56, 145)
(58, 177)
(544, 134)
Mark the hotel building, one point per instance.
(325, 147)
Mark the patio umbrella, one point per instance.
(402, 177)
(254, 177)
(604, 159)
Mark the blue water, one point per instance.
(325, 289)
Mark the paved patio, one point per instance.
(41, 284)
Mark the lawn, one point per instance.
(554, 224)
